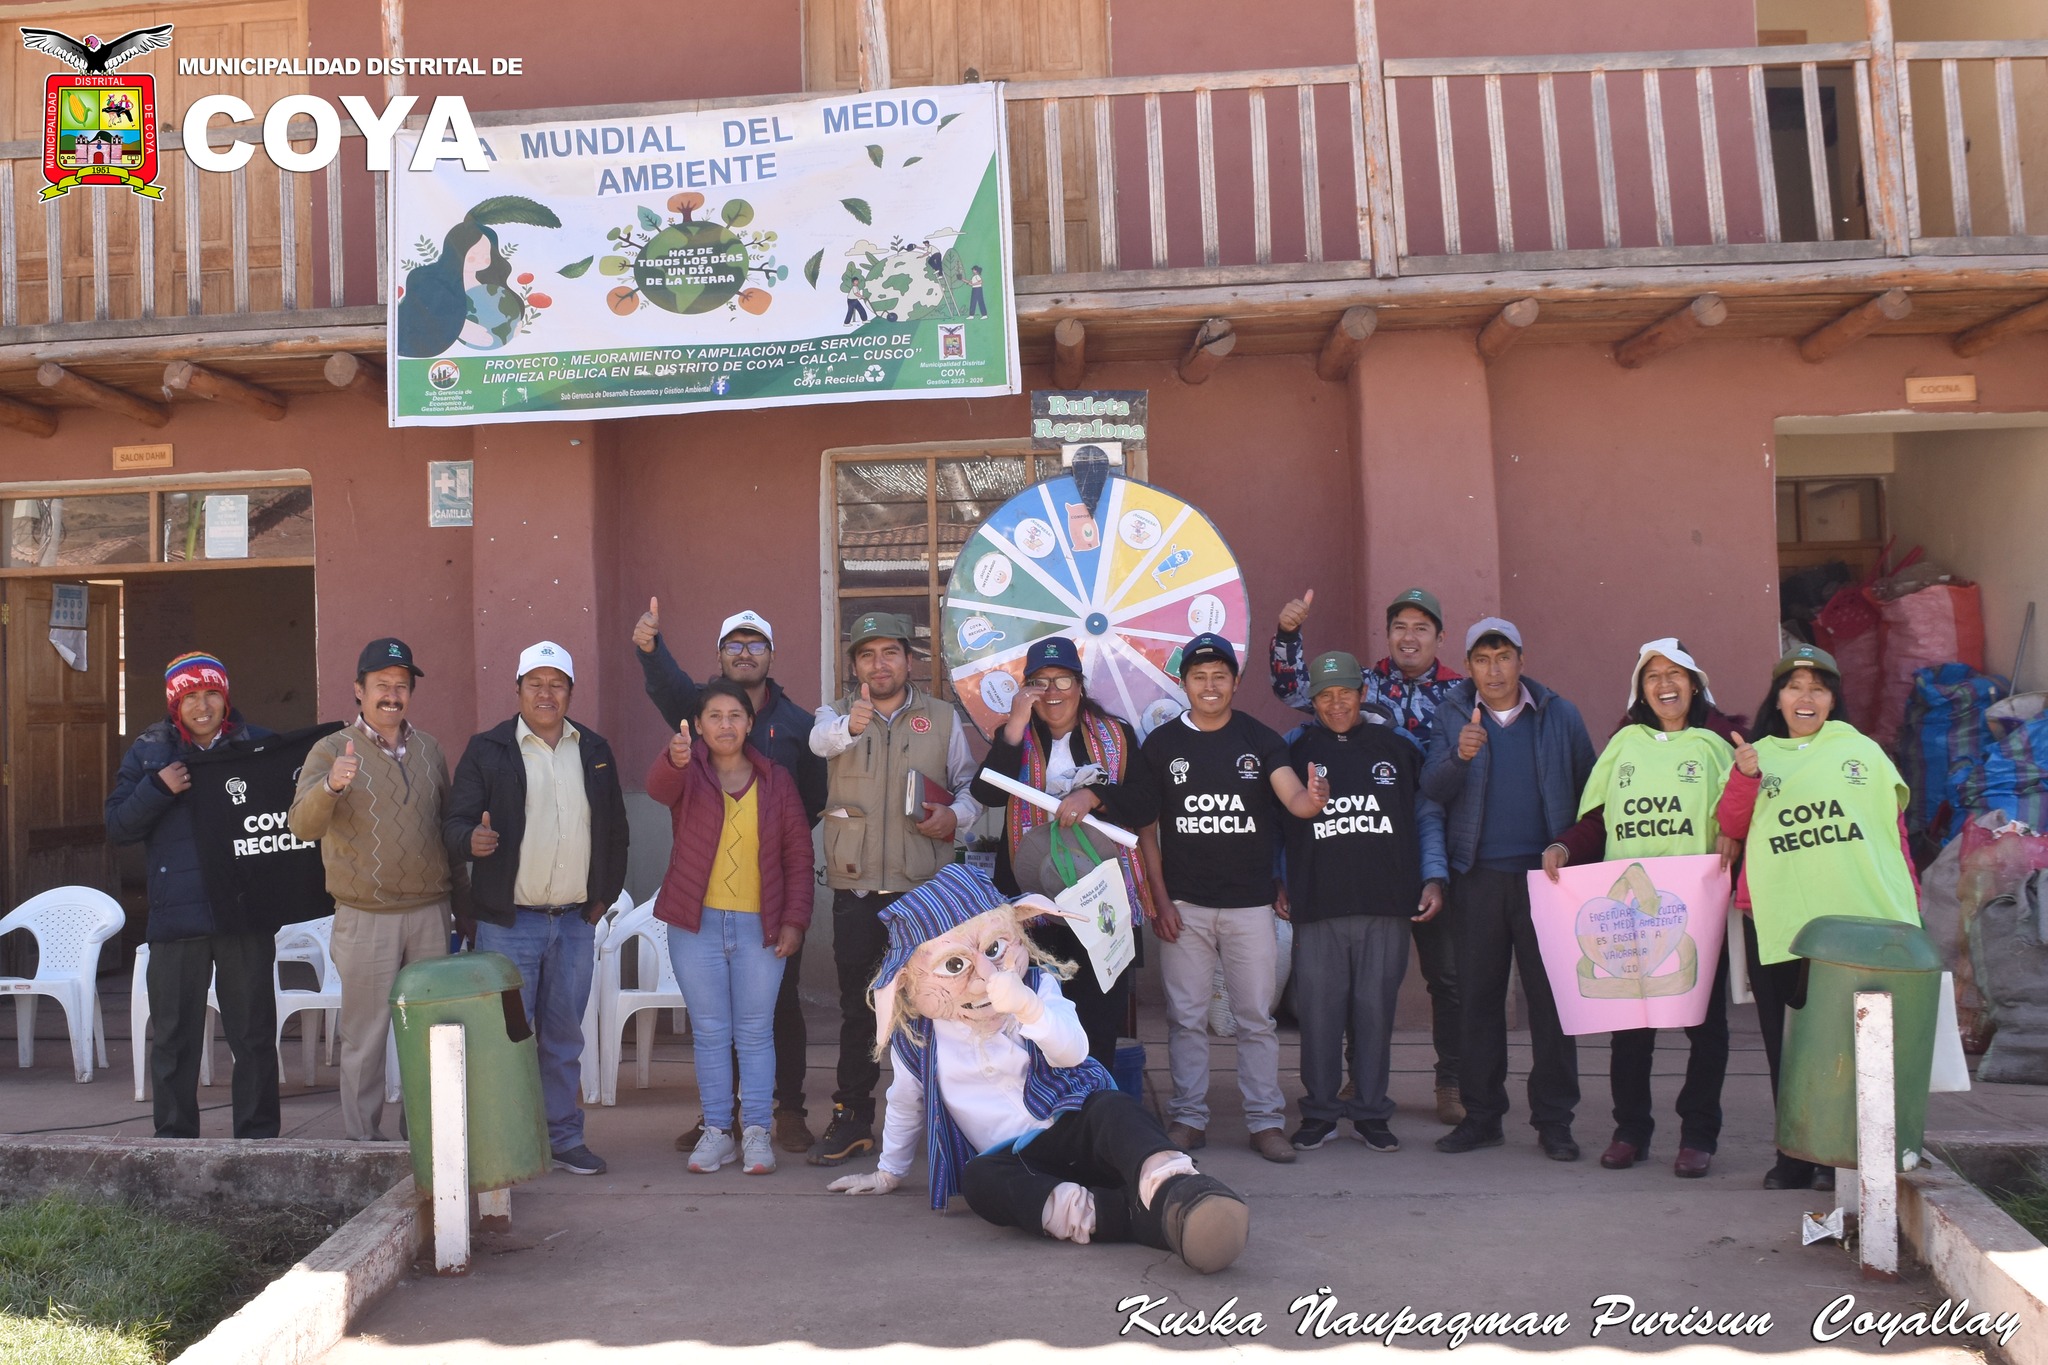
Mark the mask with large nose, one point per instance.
(948, 976)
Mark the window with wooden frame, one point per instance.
(257, 520)
(896, 517)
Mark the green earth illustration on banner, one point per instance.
(1129, 575)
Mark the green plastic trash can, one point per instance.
(1817, 1081)
(508, 1130)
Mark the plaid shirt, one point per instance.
(1410, 704)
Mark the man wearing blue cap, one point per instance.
(1222, 780)
(992, 1063)
(1508, 778)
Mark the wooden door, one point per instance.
(221, 28)
(59, 741)
(941, 42)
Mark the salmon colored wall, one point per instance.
(721, 511)
(379, 570)
(1636, 504)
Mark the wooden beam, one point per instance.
(1214, 339)
(871, 44)
(1069, 353)
(182, 376)
(1505, 328)
(94, 394)
(1671, 332)
(1985, 335)
(1346, 342)
(1889, 220)
(1379, 159)
(346, 370)
(1855, 324)
(27, 417)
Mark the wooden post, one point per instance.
(872, 41)
(1855, 324)
(27, 417)
(347, 370)
(185, 377)
(1506, 327)
(1888, 198)
(394, 45)
(94, 394)
(1346, 341)
(1877, 1155)
(1069, 353)
(1671, 332)
(1985, 335)
(1379, 163)
(1214, 339)
(448, 1088)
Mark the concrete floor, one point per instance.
(649, 1258)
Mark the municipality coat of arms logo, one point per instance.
(99, 129)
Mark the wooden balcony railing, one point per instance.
(1727, 156)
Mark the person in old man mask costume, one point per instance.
(992, 1063)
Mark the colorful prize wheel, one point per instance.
(1128, 581)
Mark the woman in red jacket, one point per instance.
(737, 899)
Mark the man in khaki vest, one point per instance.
(874, 740)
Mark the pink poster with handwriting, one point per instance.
(1632, 943)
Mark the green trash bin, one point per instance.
(1817, 1081)
(508, 1129)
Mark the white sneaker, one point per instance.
(757, 1153)
(714, 1149)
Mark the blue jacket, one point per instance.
(142, 810)
(782, 733)
(1564, 759)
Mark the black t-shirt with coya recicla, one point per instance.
(1218, 817)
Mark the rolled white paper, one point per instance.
(1052, 803)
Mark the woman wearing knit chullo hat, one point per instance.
(149, 806)
(993, 1064)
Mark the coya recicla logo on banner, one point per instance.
(99, 129)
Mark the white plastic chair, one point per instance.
(658, 991)
(138, 1024)
(68, 924)
(310, 942)
(593, 1045)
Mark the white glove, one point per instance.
(876, 1182)
(1008, 994)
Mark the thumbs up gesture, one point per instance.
(345, 769)
(679, 747)
(861, 712)
(1745, 756)
(1318, 784)
(1472, 738)
(648, 626)
(483, 840)
(1296, 611)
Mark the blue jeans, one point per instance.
(730, 979)
(554, 956)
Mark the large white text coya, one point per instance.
(1351, 815)
(1214, 813)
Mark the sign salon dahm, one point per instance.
(99, 129)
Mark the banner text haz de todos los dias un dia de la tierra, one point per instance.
(820, 251)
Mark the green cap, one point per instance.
(1806, 656)
(1418, 597)
(1334, 669)
(879, 625)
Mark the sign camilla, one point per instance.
(99, 129)
(818, 251)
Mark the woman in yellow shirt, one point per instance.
(737, 899)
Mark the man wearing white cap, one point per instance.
(782, 734)
(1507, 760)
(536, 806)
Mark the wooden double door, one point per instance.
(59, 743)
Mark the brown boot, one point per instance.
(792, 1134)
(1450, 1108)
